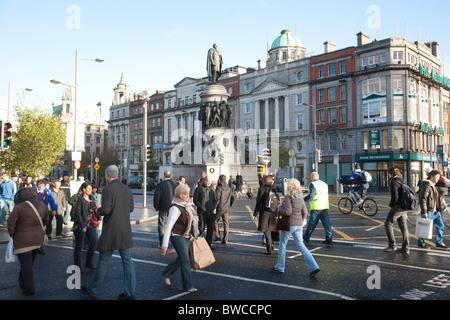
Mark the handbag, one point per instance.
(283, 222)
(200, 254)
(9, 255)
(424, 228)
(45, 241)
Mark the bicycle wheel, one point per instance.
(446, 217)
(370, 207)
(411, 216)
(345, 205)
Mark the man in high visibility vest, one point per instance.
(318, 205)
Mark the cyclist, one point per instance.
(357, 180)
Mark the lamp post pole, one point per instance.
(99, 60)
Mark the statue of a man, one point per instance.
(214, 64)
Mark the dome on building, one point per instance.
(286, 39)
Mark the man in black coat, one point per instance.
(117, 204)
(205, 201)
(396, 213)
(224, 200)
(162, 199)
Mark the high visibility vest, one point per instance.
(320, 200)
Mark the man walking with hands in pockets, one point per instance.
(117, 204)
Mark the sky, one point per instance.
(158, 43)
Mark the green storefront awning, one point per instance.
(394, 156)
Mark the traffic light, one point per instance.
(319, 155)
(5, 135)
(148, 152)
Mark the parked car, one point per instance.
(134, 182)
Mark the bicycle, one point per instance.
(368, 206)
(412, 216)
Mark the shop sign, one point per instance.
(434, 76)
(394, 156)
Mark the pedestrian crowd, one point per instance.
(184, 215)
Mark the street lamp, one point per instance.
(9, 97)
(315, 134)
(99, 60)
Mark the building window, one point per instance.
(398, 139)
(300, 98)
(299, 121)
(321, 96)
(321, 116)
(332, 115)
(321, 72)
(366, 140)
(343, 92)
(299, 146)
(342, 67)
(398, 108)
(374, 85)
(384, 137)
(332, 94)
(397, 56)
(332, 141)
(299, 76)
(374, 111)
(247, 108)
(343, 114)
(331, 69)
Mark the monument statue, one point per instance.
(215, 115)
(214, 64)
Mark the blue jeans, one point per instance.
(437, 222)
(129, 273)
(314, 217)
(182, 262)
(297, 233)
(5, 203)
(91, 234)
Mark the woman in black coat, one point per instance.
(267, 216)
(85, 225)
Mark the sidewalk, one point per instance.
(139, 215)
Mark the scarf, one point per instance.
(192, 217)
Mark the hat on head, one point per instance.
(112, 171)
(428, 170)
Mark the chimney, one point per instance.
(262, 64)
(329, 46)
(362, 38)
(434, 46)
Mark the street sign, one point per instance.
(96, 159)
(77, 164)
(96, 166)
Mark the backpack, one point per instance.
(272, 201)
(365, 176)
(407, 199)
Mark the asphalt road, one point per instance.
(353, 268)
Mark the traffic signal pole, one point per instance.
(144, 158)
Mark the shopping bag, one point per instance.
(200, 254)
(9, 256)
(424, 228)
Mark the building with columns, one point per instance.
(119, 124)
(273, 97)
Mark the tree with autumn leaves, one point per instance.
(38, 142)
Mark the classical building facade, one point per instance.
(273, 97)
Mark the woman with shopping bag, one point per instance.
(181, 228)
(25, 226)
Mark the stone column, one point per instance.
(286, 113)
(257, 115)
(277, 113)
(266, 114)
